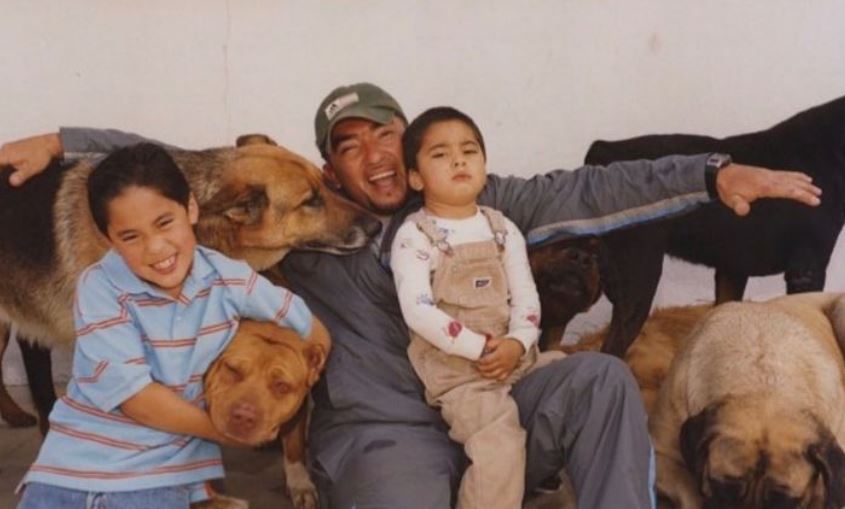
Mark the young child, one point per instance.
(466, 292)
(151, 316)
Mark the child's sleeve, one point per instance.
(267, 302)
(524, 323)
(410, 259)
(109, 362)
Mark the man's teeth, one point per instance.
(165, 264)
(379, 176)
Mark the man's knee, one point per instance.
(387, 473)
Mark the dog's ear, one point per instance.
(696, 434)
(245, 207)
(829, 459)
(836, 315)
(315, 355)
(254, 139)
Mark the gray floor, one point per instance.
(252, 475)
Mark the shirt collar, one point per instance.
(121, 276)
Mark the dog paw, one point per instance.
(302, 492)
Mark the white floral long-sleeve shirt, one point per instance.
(413, 260)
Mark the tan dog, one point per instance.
(654, 348)
(257, 202)
(752, 412)
(259, 385)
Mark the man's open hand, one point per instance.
(739, 185)
(30, 156)
(501, 357)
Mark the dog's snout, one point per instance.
(371, 226)
(243, 417)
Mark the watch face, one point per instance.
(718, 160)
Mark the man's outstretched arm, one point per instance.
(593, 200)
(30, 156)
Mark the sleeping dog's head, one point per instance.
(745, 454)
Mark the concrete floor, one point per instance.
(255, 475)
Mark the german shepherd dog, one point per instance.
(257, 202)
(778, 236)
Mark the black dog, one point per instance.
(777, 236)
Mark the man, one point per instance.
(374, 441)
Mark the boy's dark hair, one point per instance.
(412, 138)
(141, 165)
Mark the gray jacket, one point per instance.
(368, 377)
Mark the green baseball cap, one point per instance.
(361, 100)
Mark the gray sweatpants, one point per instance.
(582, 413)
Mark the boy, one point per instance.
(150, 318)
(466, 292)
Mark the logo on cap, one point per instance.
(338, 104)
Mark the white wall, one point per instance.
(542, 78)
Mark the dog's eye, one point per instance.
(233, 371)
(314, 201)
(729, 489)
(778, 498)
(281, 387)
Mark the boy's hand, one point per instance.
(501, 357)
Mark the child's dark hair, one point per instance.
(141, 165)
(412, 139)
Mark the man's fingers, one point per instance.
(739, 205)
(18, 177)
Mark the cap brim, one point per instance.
(378, 115)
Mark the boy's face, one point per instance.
(450, 165)
(154, 235)
(366, 161)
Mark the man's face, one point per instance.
(366, 161)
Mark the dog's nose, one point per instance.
(243, 418)
(579, 257)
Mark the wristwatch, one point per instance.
(715, 162)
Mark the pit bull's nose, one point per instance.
(243, 418)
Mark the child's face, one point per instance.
(450, 165)
(154, 235)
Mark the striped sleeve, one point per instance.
(261, 300)
(109, 363)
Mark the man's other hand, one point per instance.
(30, 156)
(739, 185)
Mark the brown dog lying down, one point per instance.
(752, 412)
(257, 390)
(654, 348)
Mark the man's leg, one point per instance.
(584, 412)
(390, 466)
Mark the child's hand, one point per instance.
(501, 357)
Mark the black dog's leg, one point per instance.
(39, 372)
(633, 265)
(9, 410)
(804, 271)
(730, 287)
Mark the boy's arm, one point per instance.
(411, 263)
(593, 200)
(158, 407)
(265, 301)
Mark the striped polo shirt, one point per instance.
(129, 334)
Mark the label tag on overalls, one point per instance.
(481, 282)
